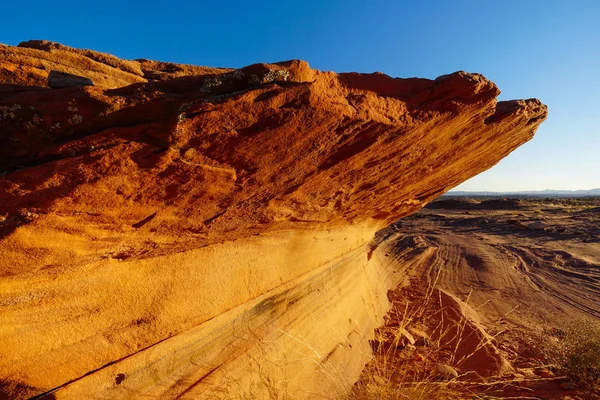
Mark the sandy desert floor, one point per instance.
(491, 284)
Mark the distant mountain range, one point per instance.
(528, 193)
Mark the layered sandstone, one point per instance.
(207, 235)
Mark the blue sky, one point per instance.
(548, 49)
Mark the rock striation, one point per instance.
(175, 231)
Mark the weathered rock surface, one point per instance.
(31, 62)
(59, 80)
(190, 232)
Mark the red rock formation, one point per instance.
(173, 163)
(31, 62)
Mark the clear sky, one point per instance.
(548, 49)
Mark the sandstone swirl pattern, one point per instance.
(187, 232)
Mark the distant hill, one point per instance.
(527, 193)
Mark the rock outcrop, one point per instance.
(188, 232)
(30, 64)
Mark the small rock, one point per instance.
(446, 372)
(567, 385)
(28, 216)
(418, 333)
(537, 226)
(543, 372)
(407, 336)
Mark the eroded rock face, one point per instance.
(31, 62)
(154, 206)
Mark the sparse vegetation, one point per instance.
(576, 352)
(405, 368)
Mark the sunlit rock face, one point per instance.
(173, 231)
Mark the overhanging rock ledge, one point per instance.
(189, 232)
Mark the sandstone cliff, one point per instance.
(187, 232)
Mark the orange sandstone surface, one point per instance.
(173, 231)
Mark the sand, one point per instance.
(490, 267)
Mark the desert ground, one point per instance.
(491, 287)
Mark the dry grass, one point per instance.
(396, 373)
(401, 371)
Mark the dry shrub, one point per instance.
(576, 353)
